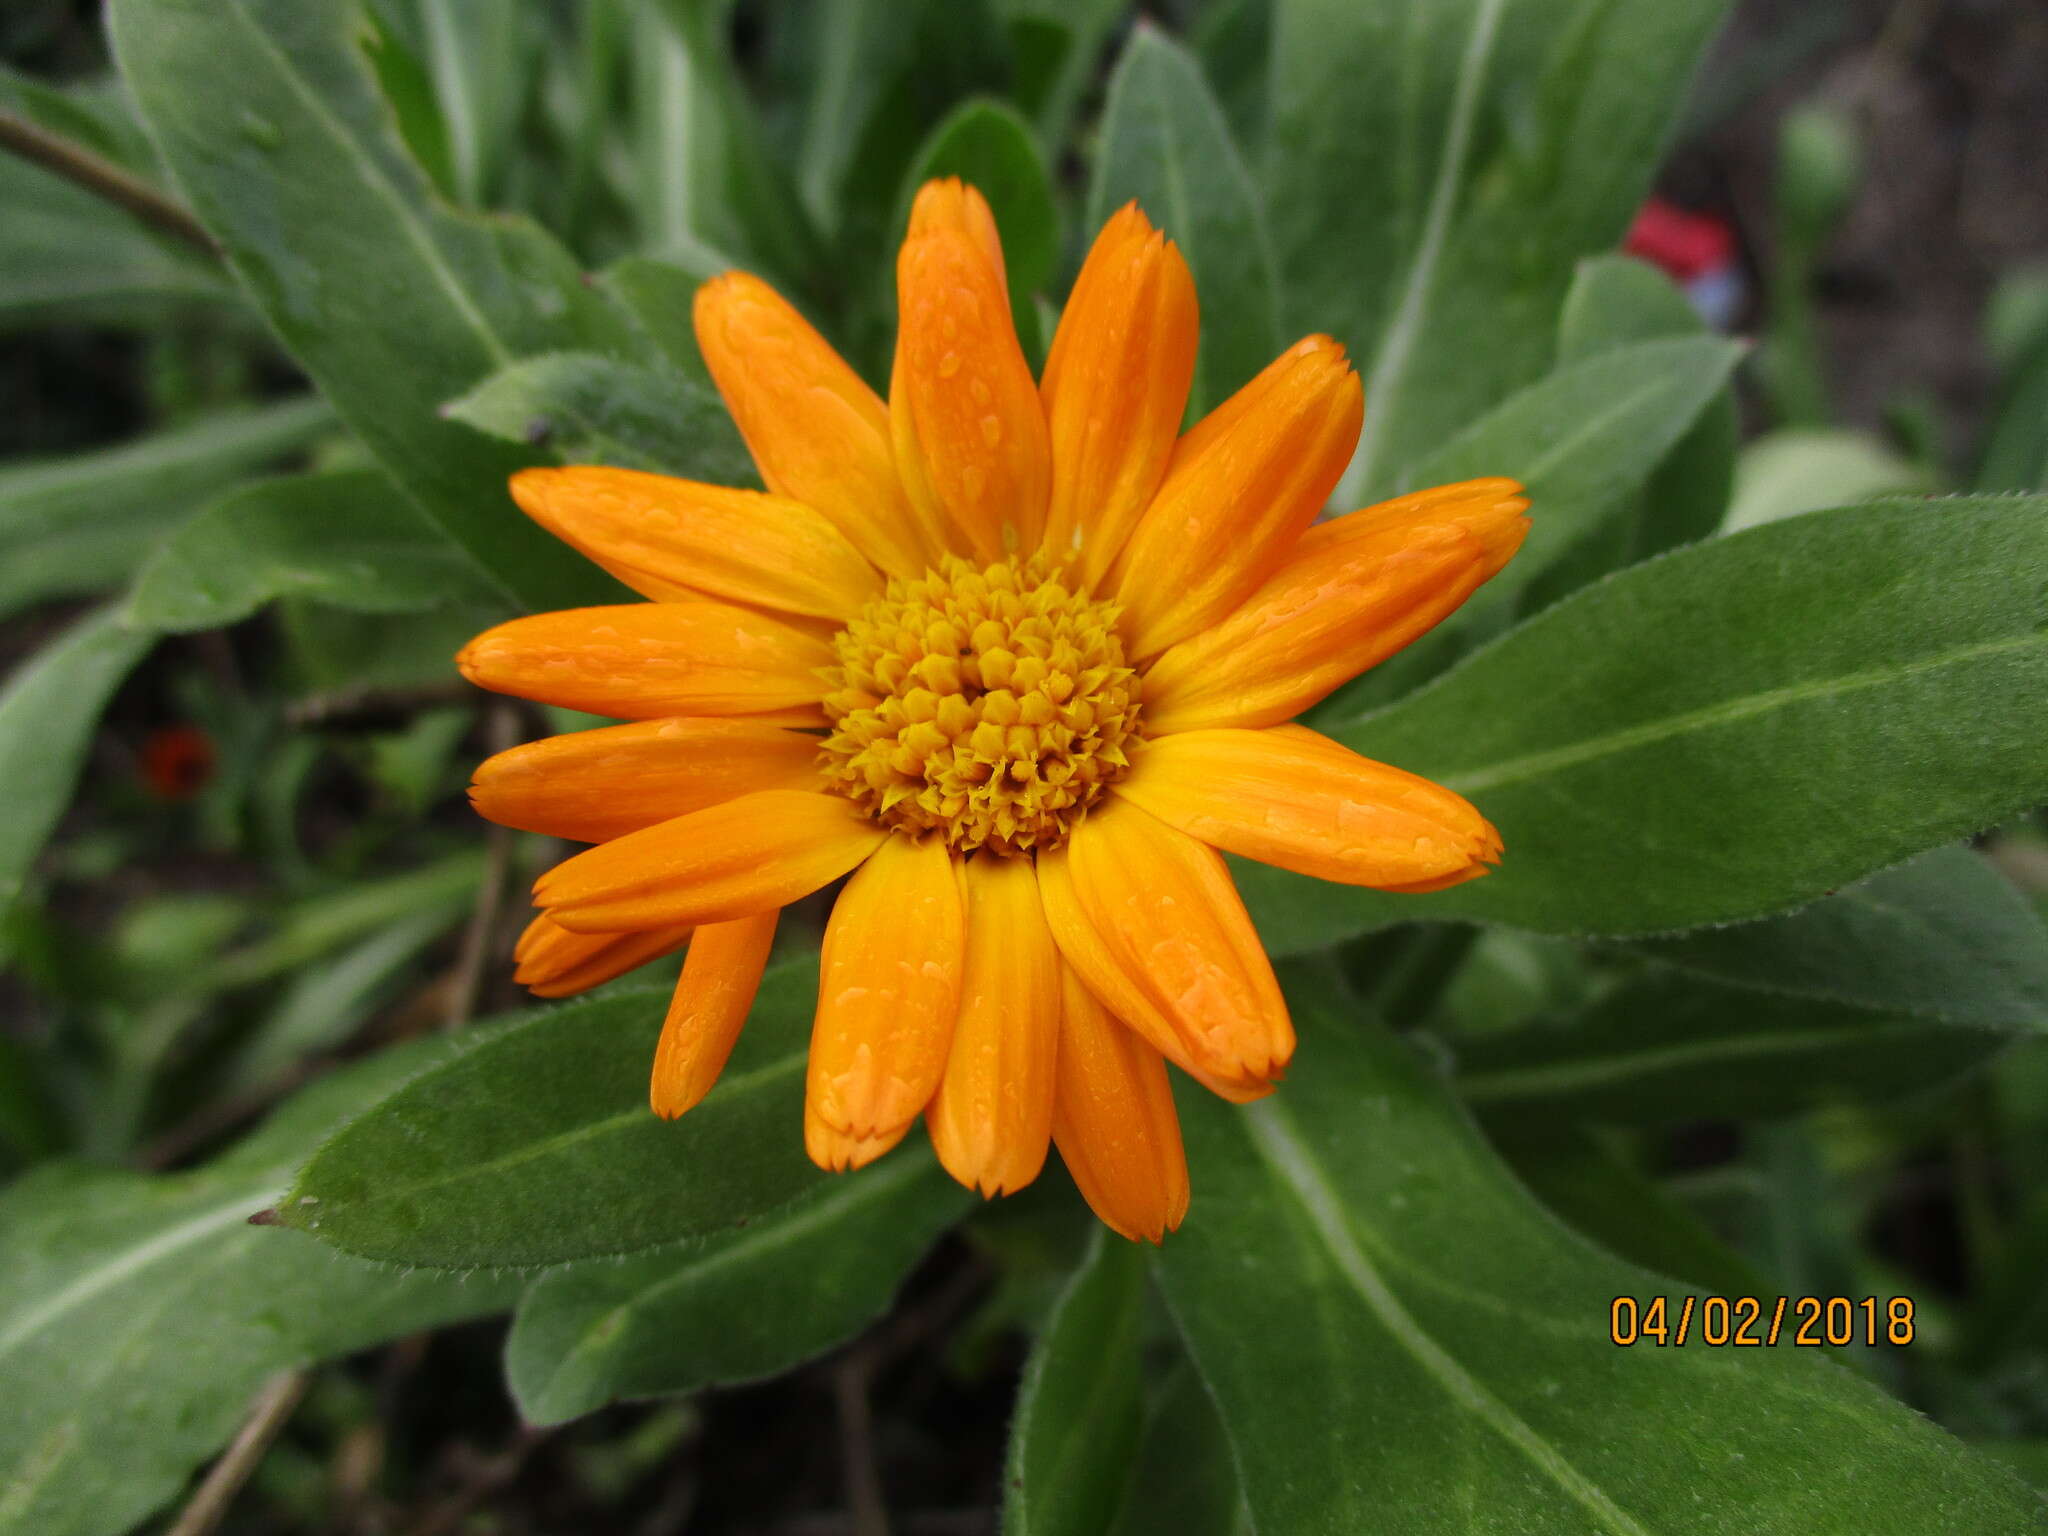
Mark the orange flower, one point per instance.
(1020, 658)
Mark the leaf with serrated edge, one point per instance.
(1397, 1336)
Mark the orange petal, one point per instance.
(991, 1119)
(1114, 1122)
(888, 990)
(1116, 384)
(950, 203)
(1493, 510)
(720, 976)
(1305, 803)
(1353, 591)
(550, 961)
(1148, 917)
(591, 786)
(674, 540)
(735, 859)
(837, 1152)
(969, 431)
(637, 661)
(819, 435)
(1233, 505)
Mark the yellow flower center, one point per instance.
(991, 705)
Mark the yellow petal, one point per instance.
(637, 661)
(736, 859)
(837, 1152)
(1353, 591)
(720, 976)
(550, 961)
(888, 990)
(1233, 504)
(818, 434)
(1303, 802)
(1114, 1122)
(991, 1119)
(1115, 387)
(1148, 917)
(591, 786)
(969, 431)
(674, 540)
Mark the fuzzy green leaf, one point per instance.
(1079, 1409)
(1435, 172)
(1668, 1049)
(48, 713)
(139, 1313)
(1943, 936)
(345, 538)
(536, 1146)
(734, 1307)
(593, 410)
(82, 524)
(1397, 1336)
(390, 300)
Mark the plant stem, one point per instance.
(101, 177)
(267, 1415)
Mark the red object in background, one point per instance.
(1686, 245)
(177, 762)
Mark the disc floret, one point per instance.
(990, 705)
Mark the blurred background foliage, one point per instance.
(236, 858)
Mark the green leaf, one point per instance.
(734, 1307)
(1943, 936)
(989, 145)
(1801, 469)
(1165, 143)
(48, 712)
(1182, 1482)
(1731, 729)
(139, 1313)
(1616, 300)
(1581, 440)
(1436, 171)
(593, 410)
(1669, 1049)
(82, 524)
(1603, 1198)
(67, 256)
(1078, 1410)
(661, 297)
(707, 178)
(344, 538)
(536, 1145)
(1397, 1336)
(391, 301)
(481, 55)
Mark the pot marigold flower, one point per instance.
(1018, 656)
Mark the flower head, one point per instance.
(1020, 657)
